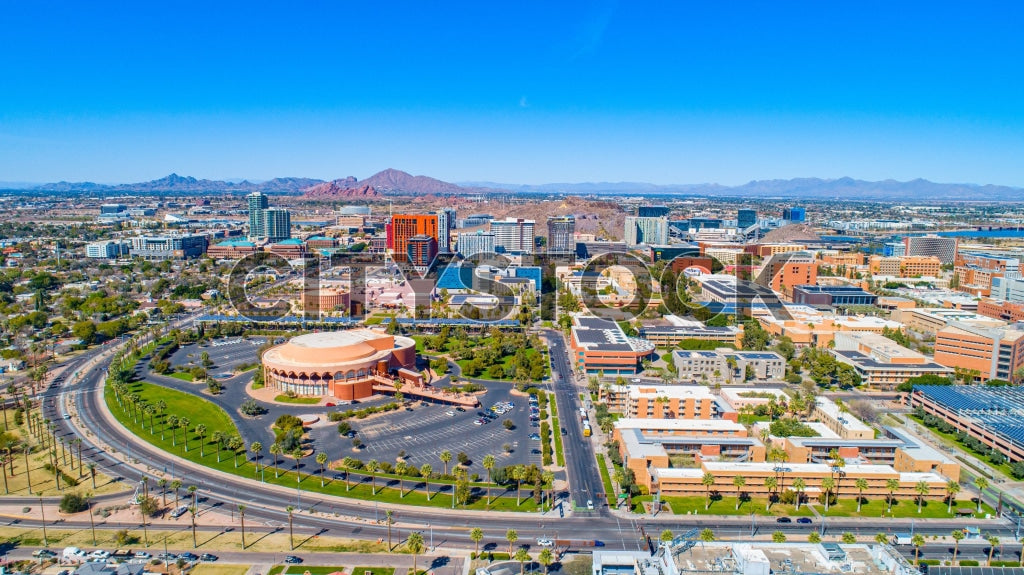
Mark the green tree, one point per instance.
(415, 545)
(982, 484)
(778, 537)
(922, 489)
(488, 464)
(827, 485)
(958, 535)
(321, 459)
(891, 485)
(522, 556)
(666, 535)
(849, 538)
(511, 536)
(799, 486)
(814, 538)
(291, 532)
(918, 542)
(992, 542)
(861, 485)
(546, 558)
(739, 481)
(476, 535)
(952, 488)
(707, 481)
(446, 458)
(707, 535)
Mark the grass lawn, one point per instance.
(374, 570)
(750, 418)
(200, 411)
(609, 490)
(725, 504)
(182, 375)
(552, 405)
(219, 569)
(505, 363)
(555, 429)
(43, 481)
(930, 509)
(313, 570)
(282, 398)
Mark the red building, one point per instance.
(405, 226)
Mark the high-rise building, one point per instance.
(404, 226)
(476, 243)
(421, 250)
(647, 231)
(513, 234)
(561, 235)
(746, 218)
(266, 223)
(931, 245)
(794, 215)
(276, 224)
(652, 211)
(445, 225)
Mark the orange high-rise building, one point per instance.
(405, 226)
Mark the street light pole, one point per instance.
(42, 515)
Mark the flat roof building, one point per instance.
(882, 363)
(832, 296)
(600, 346)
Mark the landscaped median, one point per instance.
(139, 410)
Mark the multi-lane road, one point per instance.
(359, 519)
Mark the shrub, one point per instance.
(288, 422)
(968, 563)
(251, 408)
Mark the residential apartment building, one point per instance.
(421, 251)
(168, 247)
(513, 234)
(110, 249)
(990, 352)
(641, 401)
(646, 231)
(905, 266)
(782, 271)
(476, 243)
(402, 227)
(841, 423)
(561, 235)
(729, 366)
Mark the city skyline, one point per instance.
(570, 93)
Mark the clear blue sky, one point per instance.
(526, 92)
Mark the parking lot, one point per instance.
(426, 431)
(225, 353)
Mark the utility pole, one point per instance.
(42, 514)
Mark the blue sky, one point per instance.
(524, 92)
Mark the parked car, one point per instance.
(187, 556)
(543, 542)
(460, 409)
(783, 520)
(99, 554)
(179, 511)
(804, 521)
(44, 554)
(208, 557)
(292, 559)
(141, 555)
(167, 556)
(535, 436)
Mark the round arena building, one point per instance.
(340, 364)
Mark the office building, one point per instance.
(746, 218)
(168, 247)
(475, 243)
(112, 209)
(110, 249)
(445, 225)
(729, 366)
(421, 251)
(600, 346)
(931, 245)
(984, 352)
(892, 249)
(652, 211)
(975, 272)
(673, 335)
(513, 235)
(231, 249)
(928, 321)
(402, 227)
(1009, 288)
(645, 230)
(561, 235)
(882, 363)
(832, 296)
(276, 224)
(794, 215)
(782, 271)
(670, 252)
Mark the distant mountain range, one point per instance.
(397, 182)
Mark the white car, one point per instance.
(590, 504)
(450, 413)
(542, 542)
(99, 554)
(179, 511)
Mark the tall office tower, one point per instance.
(257, 203)
(276, 224)
(445, 225)
(404, 226)
(513, 234)
(475, 243)
(746, 218)
(931, 245)
(649, 231)
(794, 215)
(652, 211)
(561, 235)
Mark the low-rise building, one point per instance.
(729, 366)
(673, 335)
(1001, 310)
(168, 247)
(639, 401)
(832, 296)
(600, 346)
(930, 320)
(882, 363)
(842, 423)
(986, 352)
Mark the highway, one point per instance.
(358, 519)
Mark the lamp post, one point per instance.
(42, 515)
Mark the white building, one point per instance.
(648, 231)
(514, 234)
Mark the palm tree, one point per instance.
(241, 517)
(881, 538)
(425, 470)
(957, 535)
(183, 423)
(401, 468)
(828, 484)
(511, 536)
(291, 533)
(992, 542)
(707, 481)
(476, 535)
(201, 432)
(778, 537)
(276, 450)
(172, 422)
(235, 444)
(982, 484)
(518, 474)
(488, 465)
(770, 483)
(92, 471)
(861, 484)
(522, 556)
(814, 538)
(162, 484)
(707, 535)
(256, 447)
(952, 488)
(799, 485)
(192, 510)
(218, 438)
(175, 486)
(922, 489)
(415, 544)
(372, 466)
(918, 542)
(446, 457)
(545, 558)
(193, 492)
(739, 481)
(548, 478)
(891, 485)
(389, 520)
(321, 458)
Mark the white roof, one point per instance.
(679, 424)
(847, 420)
(670, 391)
